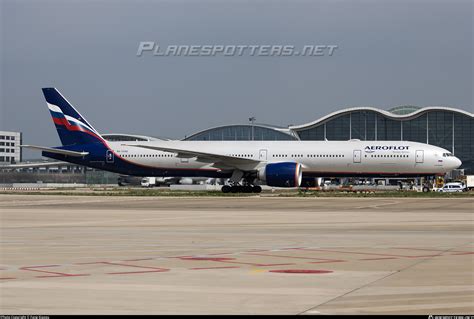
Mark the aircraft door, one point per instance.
(262, 155)
(357, 156)
(109, 156)
(419, 156)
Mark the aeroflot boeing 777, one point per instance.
(245, 163)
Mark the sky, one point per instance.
(389, 53)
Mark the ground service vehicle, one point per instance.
(452, 188)
(470, 182)
(148, 182)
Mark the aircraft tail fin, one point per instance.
(72, 127)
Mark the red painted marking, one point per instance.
(381, 258)
(128, 265)
(59, 274)
(224, 267)
(54, 273)
(154, 269)
(7, 278)
(301, 271)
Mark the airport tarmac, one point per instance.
(226, 255)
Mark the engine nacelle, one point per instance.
(287, 174)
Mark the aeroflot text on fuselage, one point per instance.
(373, 148)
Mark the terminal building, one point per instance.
(10, 150)
(449, 128)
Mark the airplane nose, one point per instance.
(457, 162)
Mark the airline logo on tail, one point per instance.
(72, 127)
(59, 118)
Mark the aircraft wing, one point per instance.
(205, 156)
(56, 150)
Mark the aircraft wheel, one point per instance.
(225, 189)
(257, 189)
(426, 189)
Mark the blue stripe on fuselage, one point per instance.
(96, 159)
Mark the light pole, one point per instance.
(252, 119)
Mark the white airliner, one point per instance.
(245, 163)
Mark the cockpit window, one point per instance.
(448, 155)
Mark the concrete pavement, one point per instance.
(220, 255)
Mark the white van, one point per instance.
(148, 181)
(452, 188)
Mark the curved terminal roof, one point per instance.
(404, 109)
(399, 113)
(276, 129)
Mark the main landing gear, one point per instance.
(241, 182)
(241, 189)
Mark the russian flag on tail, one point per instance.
(72, 127)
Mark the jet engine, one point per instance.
(286, 174)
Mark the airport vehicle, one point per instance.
(149, 182)
(469, 182)
(245, 163)
(453, 188)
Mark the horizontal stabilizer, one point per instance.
(56, 150)
(31, 165)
